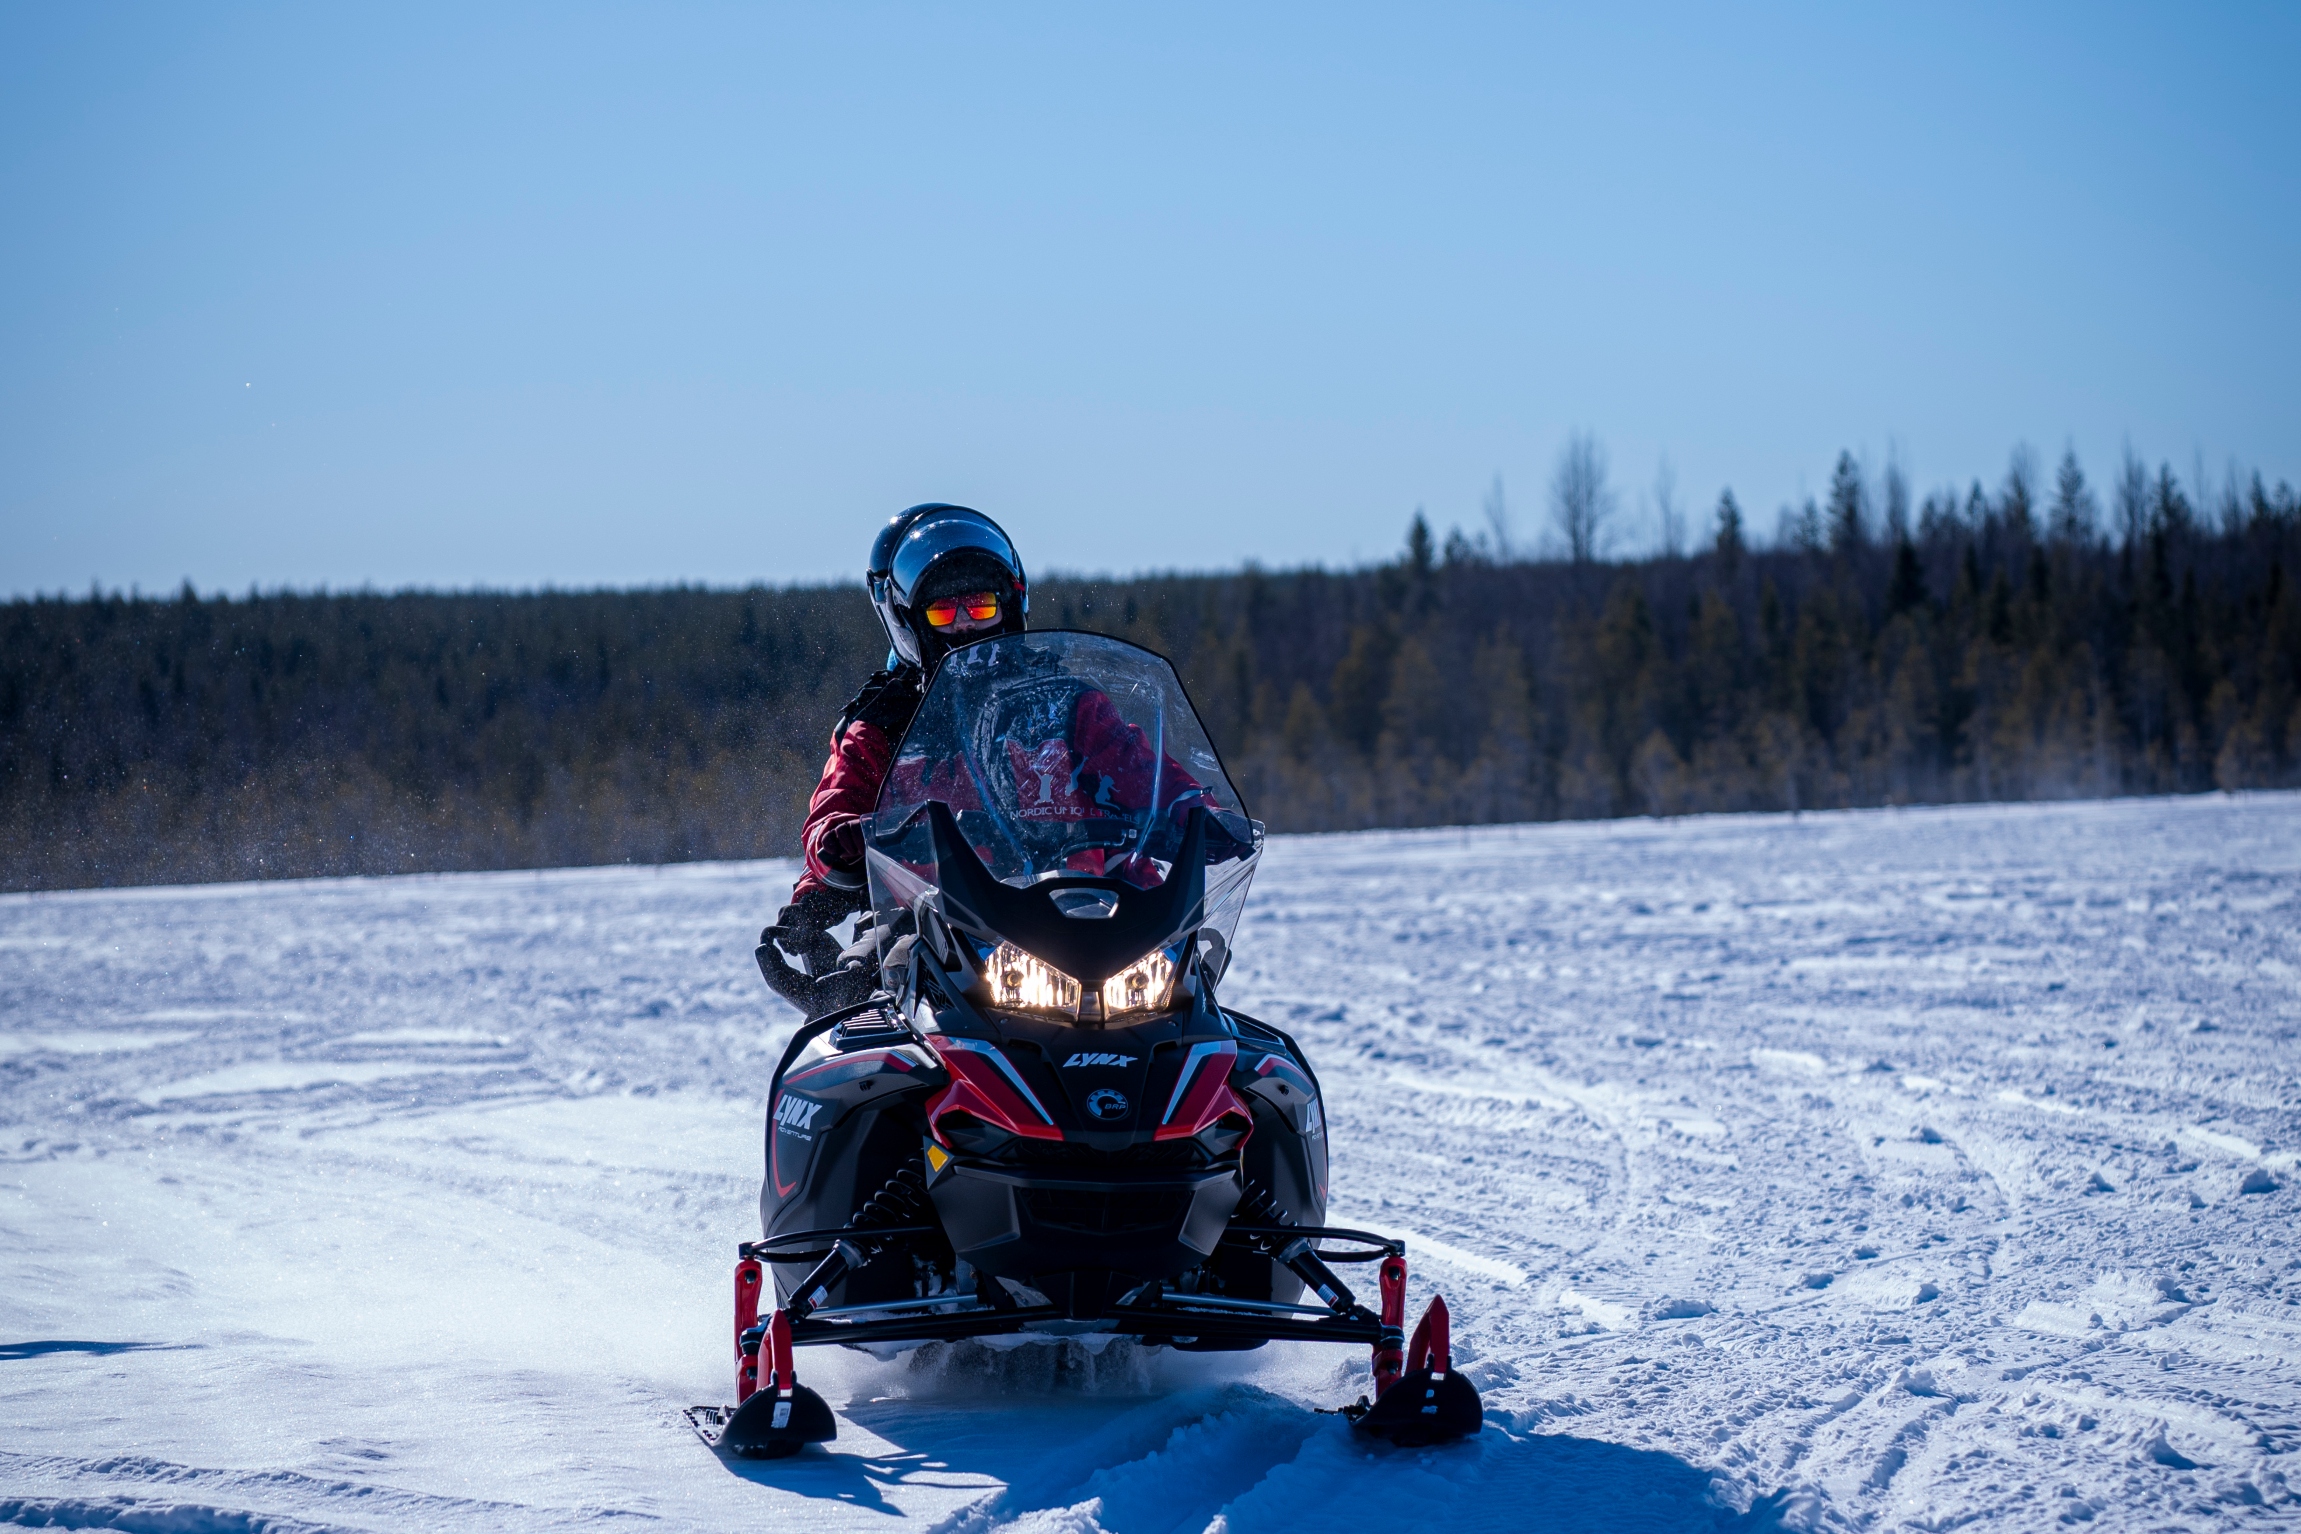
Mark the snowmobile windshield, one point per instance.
(1062, 755)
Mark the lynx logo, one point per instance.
(1106, 1104)
(797, 1113)
(1076, 1060)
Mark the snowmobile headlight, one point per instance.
(1023, 983)
(1143, 986)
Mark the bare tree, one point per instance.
(1498, 524)
(1669, 516)
(2132, 499)
(2232, 500)
(1581, 502)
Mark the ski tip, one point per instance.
(709, 1422)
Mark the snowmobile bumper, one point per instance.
(1162, 1322)
(1130, 1307)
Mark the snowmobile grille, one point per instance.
(1086, 1161)
(1105, 1214)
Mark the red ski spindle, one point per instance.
(1433, 1347)
(779, 1350)
(1388, 1359)
(746, 1375)
(747, 1279)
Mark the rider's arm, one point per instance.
(832, 836)
(861, 747)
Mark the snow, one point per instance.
(1856, 1170)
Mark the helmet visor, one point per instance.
(943, 533)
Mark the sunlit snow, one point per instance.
(1851, 1170)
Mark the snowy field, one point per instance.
(1899, 1169)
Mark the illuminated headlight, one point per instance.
(1142, 986)
(1026, 984)
(1023, 983)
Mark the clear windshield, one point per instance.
(1066, 753)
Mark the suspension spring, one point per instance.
(901, 1200)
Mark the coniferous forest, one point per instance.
(2046, 639)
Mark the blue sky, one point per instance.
(452, 295)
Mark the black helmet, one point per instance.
(938, 550)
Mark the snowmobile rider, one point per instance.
(940, 576)
(943, 576)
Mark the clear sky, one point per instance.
(452, 295)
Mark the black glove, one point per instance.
(842, 843)
(802, 928)
(831, 980)
(818, 909)
(886, 703)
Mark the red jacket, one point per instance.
(847, 791)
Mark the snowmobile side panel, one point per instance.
(841, 1122)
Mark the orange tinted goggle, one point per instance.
(982, 607)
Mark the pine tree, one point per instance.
(1908, 588)
(2074, 509)
(1729, 545)
(1848, 509)
(2018, 505)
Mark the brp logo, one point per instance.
(1106, 1104)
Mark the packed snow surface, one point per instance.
(1870, 1170)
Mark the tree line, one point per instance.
(2038, 640)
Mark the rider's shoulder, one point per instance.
(885, 693)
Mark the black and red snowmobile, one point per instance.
(1041, 1119)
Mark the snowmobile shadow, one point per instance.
(12, 1350)
(1588, 1485)
(857, 1480)
(1159, 1442)
(968, 1416)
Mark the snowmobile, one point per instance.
(1018, 1105)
